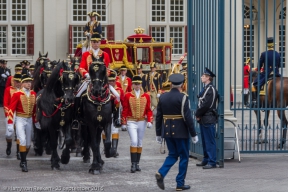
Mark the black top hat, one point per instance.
(176, 79)
(96, 37)
(136, 79)
(123, 67)
(25, 62)
(18, 67)
(112, 76)
(26, 77)
(208, 72)
(32, 67)
(17, 77)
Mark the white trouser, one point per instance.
(246, 90)
(114, 130)
(24, 130)
(9, 134)
(136, 130)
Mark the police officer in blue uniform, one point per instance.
(174, 123)
(206, 116)
(266, 68)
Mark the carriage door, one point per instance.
(206, 49)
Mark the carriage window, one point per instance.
(79, 10)
(157, 55)
(100, 7)
(3, 40)
(3, 10)
(130, 54)
(19, 40)
(143, 54)
(19, 10)
(167, 55)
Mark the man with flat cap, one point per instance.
(206, 116)
(268, 65)
(174, 123)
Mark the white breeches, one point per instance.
(114, 130)
(136, 130)
(246, 90)
(82, 88)
(24, 130)
(9, 134)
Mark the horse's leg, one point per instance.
(98, 139)
(259, 134)
(109, 152)
(78, 141)
(65, 157)
(38, 147)
(53, 144)
(74, 137)
(265, 140)
(283, 126)
(95, 166)
(86, 139)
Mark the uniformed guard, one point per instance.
(116, 123)
(142, 75)
(4, 74)
(174, 123)
(154, 84)
(269, 68)
(23, 103)
(31, 70)
(92, 27)
(18, 70)
(206, 115)
(123, 81)
(136, 115)
(9, 91)
(246, 83)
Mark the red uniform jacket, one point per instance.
(126, 84)
(9, 91)
(9, 82)
(87, 60)
(136, 109)
(246, 73)
(23, 105)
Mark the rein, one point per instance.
(57, 109)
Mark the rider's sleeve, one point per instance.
(106, 59)
(83, 67)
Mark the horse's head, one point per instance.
(69, 79)
(75, 62)
(45, 72)
(97, 72)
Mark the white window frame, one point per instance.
(246, 53)
(2, 26)
(89, 9)
(7, 12)
(156, 32)
(10, 13)
(106, 15)
(25, 40)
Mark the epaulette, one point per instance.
(185, 93)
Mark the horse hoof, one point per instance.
(55, 168)
(94, 172)
(102, 162)
(86, 160)
(116, 155)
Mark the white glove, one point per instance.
(7, 73)
(4, 76)
(37, 125)
(87, 76)
(10, 128)
(124, 127)
(195, 139)
(88, 34)
(149, 125)
(159, 139)
(158, 95)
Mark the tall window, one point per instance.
(248, 42)
(100, 7)
(79, 10)
(19, 12)
(3, 40)
(13, 27)
(167, 22)
(282, 43)
(158, 33)
(3, 10)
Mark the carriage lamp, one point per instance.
(255, 12)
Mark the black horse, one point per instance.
(55, 108)
(97, 111)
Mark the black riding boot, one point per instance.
(254, 99)
(23, 163)
(115, 144)
(9, 145)
(133, 153)
(18, 153)
(138, 160)
(116, 119)
(246, 98)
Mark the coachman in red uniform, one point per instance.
(136, 115)
(246, 82)
(23, 103)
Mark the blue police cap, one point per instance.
(176, 79)
(208, 72)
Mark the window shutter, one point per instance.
(186, 38)
(150, 30)
(30, 40)
(110, 33)
(70, 40)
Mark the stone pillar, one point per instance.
(50, 30)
